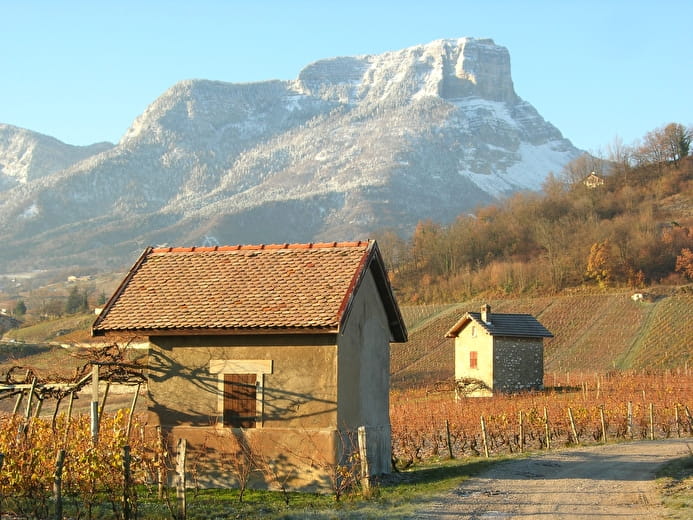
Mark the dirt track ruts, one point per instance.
(611, 481)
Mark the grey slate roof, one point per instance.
(513, 325)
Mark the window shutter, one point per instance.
(240, 397)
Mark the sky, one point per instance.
(602, 72)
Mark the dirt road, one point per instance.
(612, 481)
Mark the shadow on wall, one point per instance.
(278, 405)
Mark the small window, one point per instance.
(473, 361)
(240, 400)
(240, 392)
(474, 331)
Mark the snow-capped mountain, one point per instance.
(26, 156)
(353, 145)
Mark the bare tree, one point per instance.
(667, 144)
(677, 141)
(576, 170)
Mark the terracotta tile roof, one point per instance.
(242, 288)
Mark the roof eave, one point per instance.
(520, 335)
(116, 294)
(457, 327)
(372, 261)
(218, 331)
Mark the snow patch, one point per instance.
(529, 173)
(30, 212)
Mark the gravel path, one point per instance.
(612, 481)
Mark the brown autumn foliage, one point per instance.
(627, 232)
(582, 408)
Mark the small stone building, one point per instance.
(285, 346)
(498, 352)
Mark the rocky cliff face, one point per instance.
(354, 144)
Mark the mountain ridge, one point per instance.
(352, 145)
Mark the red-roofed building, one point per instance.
(288, 344)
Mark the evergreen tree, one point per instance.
(20, 308)
(76, 301)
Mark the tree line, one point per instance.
(632, 228)
(78, 300)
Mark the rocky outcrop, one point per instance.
(352, 145)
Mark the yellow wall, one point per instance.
(474, 338)
(299, 405)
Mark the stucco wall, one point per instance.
(299, 405)
(474, 338)
(518, 364)
(364, 375)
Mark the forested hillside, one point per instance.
(632, 230)
(572, 257)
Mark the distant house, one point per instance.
(286, 345)
(503, 352)
(593, 181)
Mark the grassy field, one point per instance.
(67, 329)
(675, 485)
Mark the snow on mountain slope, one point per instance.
(353, 144)
(26, 156)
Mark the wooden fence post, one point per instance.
(180, 479)
(18, 402)
(103, 402)
(483, 436)
(127, 482)
(132, 411)
(547, 430)
(652, 433)
(68, 418)
(30, 396)
(20, 396)
(24, 426)
(572, 426)
(676, 418)
(39, 405)
(629, 419)
(94, 404)
(522, 434)
(601, 416)
(690, 419)
(58, 484)
(449, 437)
(160, 462)
(363, 455)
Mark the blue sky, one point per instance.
(81, 71)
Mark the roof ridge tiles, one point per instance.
(259, 247)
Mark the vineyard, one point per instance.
(575, 409)
(592, 331)
(121, 473)
(39, 455)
